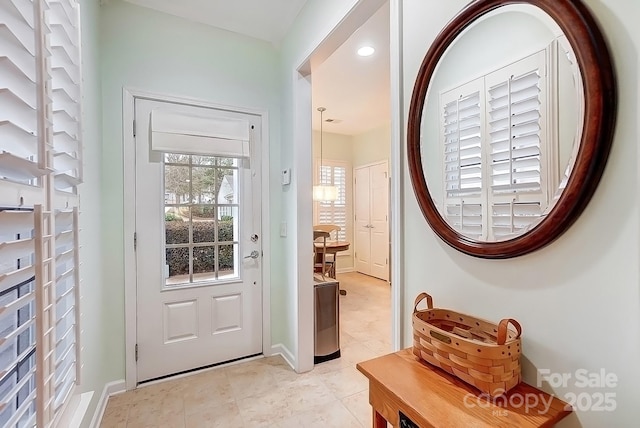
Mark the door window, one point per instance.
(201, 213)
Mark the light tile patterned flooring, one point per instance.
(266, 392)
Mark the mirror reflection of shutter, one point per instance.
(462, 121)
(19, 153)
(516, 139)
(17, 319)
(64, 39)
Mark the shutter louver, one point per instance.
(64, 38)
(17, 319)
(18, 94)
(463, 149)
(515, 135)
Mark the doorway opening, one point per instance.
(356, 137)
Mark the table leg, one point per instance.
(378, 420)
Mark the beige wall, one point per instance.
(577, 299)
(372, 146)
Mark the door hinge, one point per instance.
(134, 127)
(135, 240)
(136, 352)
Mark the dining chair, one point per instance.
(330, 228)
(320, 262)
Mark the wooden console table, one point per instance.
(430, 397)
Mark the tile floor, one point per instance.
(266, 392)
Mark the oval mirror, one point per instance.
(510, 124)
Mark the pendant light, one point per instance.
(322, 192)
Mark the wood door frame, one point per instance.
(130, 295)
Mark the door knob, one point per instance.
(254, 255)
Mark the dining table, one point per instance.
(332, 247)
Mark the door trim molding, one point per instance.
(128, 149)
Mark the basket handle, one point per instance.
(420, 298)
(502, 329)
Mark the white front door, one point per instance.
(199, 291)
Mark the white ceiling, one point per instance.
(263, 19)
(354, 90)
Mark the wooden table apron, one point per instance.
(431, 397)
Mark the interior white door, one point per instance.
(198, 246)
(379, 220)
(371, 194)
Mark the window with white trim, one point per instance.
(41, 161)
(333, 173)
(494, 141)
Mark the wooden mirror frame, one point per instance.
(600, 105)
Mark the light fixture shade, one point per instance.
(325, 193)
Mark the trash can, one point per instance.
(326, 319)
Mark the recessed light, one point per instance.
(366, 51)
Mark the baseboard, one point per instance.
(280, 349)
(109, 389)
(346, 270)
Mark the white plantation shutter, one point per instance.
(64, 41)
(517, 140)
(17, 319)
(466, 218)
(494, 144)
(514, 218)
(67, 299)
(334, 173)
(19, 152)
(40, 147)
(462, 146)
(463, 124)
(515, 135)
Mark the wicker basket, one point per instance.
(476, 351)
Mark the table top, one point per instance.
(442, 400)
(334, 246)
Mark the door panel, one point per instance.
(199, 301)
(362, 259)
